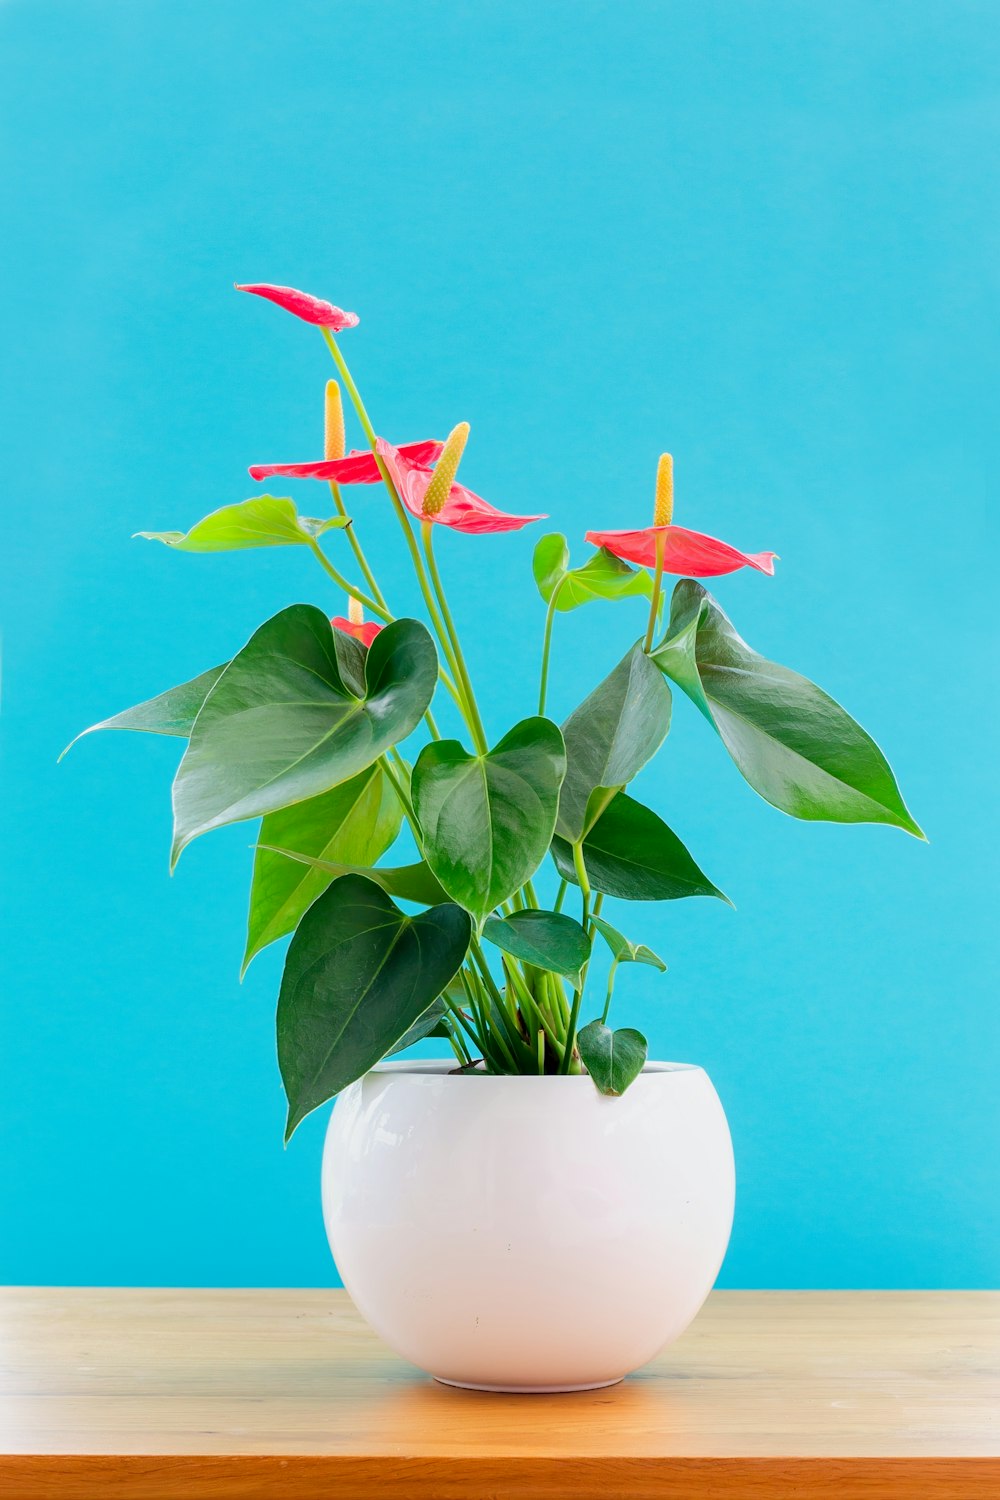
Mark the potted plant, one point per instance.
(546, 1208)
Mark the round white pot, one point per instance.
(527, 1234)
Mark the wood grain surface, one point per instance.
(162, 1394)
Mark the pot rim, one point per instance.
(445, 1067)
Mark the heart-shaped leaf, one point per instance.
(487, 820)
(631, 853)
(609, 738)
(795, 746)
(546, 939)
(603, 576)
(300, 709)
(614, 1059)
(359, 973)
(623, 950)
(406, 882)
(351, 824)
(263, 521)
(172, 712)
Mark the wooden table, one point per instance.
(818, 1395)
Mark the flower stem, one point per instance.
(547, 644)
(475, 722)
(356, 547)
(654, 603)
(574, 1015)
(348, 588)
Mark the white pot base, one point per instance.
(529, 1390)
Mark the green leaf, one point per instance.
(487, 820)
(794, 745)
(546, 939)
(623, 950)
(172, 712)
(614, 1059)
(431, 1023)
(351, 824)
(603, 576)
(300, 709)
(609, 738)
(359, 973)
(263, 521)
(631, 853)
(406, 882)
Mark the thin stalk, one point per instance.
(547, 644)
(654, 603)
(476, 723)
(560, 895)
(574, 1015)
(349, 588)
(356, 547)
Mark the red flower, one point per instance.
(364, 631)
(356, 467)
(689, 553)
(309, 309)
(462, 511)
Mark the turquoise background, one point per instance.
(762, 236)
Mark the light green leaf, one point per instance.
(487, 820)
(406, 882)
(351, 824)
(546, 939)
(623, 950)
(299, 710)
(609, 738)
(359, 973)
(794, 745)
(631, 853)
(603, 576)
(614, 1059)
(263, 521)
(172, 712)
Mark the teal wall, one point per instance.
(763, 236)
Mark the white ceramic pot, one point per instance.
(527, 1234)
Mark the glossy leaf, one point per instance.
(609, 738)
(795, 746)
(264, 521)
(351, 824)
(172, 712)
(631, 853)
(487, 820)
(406, 882)
(614, 1059)
(623, 950)
(603, 576)
(359, 973)
(300, 709)
(546, 939)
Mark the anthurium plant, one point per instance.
(484, 939)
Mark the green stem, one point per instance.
(654, 603)
(560, 895)
(475, 722)
(349, 588)
(355, 544)
(611, 990)
(547, 644)
(574, 1015)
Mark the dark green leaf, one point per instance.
(431, 1023)
(172, 712)
(487, 820)
(406, 882)
(631, 853)
(796, 747)
(359, 973)
(609, 738)
(623, 950)
(614, 1059)
(546, 939)
(263, 521)
(352, 824)
(288, 719)
(603, 576)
